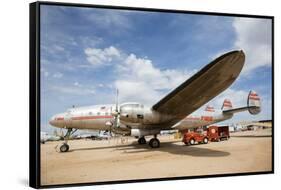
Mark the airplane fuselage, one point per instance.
(133, 116)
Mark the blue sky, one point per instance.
(87, 53)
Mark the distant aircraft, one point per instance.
(99, 136)
(44, 137)
(170, 113)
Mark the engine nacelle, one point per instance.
(137, 114)
(121, 131)
(144, 132)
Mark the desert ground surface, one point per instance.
(124, 159)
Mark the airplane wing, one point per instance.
(203, 86)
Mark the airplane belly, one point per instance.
(186, 124)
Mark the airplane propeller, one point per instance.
(115, 114)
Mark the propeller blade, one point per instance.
(115, 114)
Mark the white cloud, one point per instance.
(76, 90)
(58, 48)
(139, 80)
(76, 84)
(134, 91)
(58, 75)
(100, 85)
(98, 57)
(254, 37)
(44, 72)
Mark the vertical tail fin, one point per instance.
(226, 105)
(209, 108)
(254, 104)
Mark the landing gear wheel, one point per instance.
(192, 142)
(64, 147)
(205, 140)
(142, 140)
(154, 143)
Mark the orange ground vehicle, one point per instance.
(216, 133)
(191, 138)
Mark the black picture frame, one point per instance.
(34, 92)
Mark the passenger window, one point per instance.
(98, 113)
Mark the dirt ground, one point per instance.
(116, 159)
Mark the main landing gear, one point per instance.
(153, 143)
(65, 147)
(142, 140)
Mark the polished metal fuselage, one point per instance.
(132, 116)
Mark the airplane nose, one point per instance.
(52, 121)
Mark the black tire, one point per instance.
(186, 143)
(192, 141)
(64, 147)
(154, 143)
(142, 140)
(205, 140)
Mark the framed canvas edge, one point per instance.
(34, 93)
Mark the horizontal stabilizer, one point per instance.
(253, 105)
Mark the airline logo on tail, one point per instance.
(254, 103)
(226, 105)
(209, 108)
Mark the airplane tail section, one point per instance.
(253, 105)
(227, 105)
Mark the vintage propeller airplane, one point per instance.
(171, 112)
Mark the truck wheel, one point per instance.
(191, 141)
(205, 140)
(186, 143)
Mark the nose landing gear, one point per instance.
(65, 147)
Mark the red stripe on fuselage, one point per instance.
(192, 118)
(206, 118)
(92, 117)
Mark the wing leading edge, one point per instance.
(206, 84)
